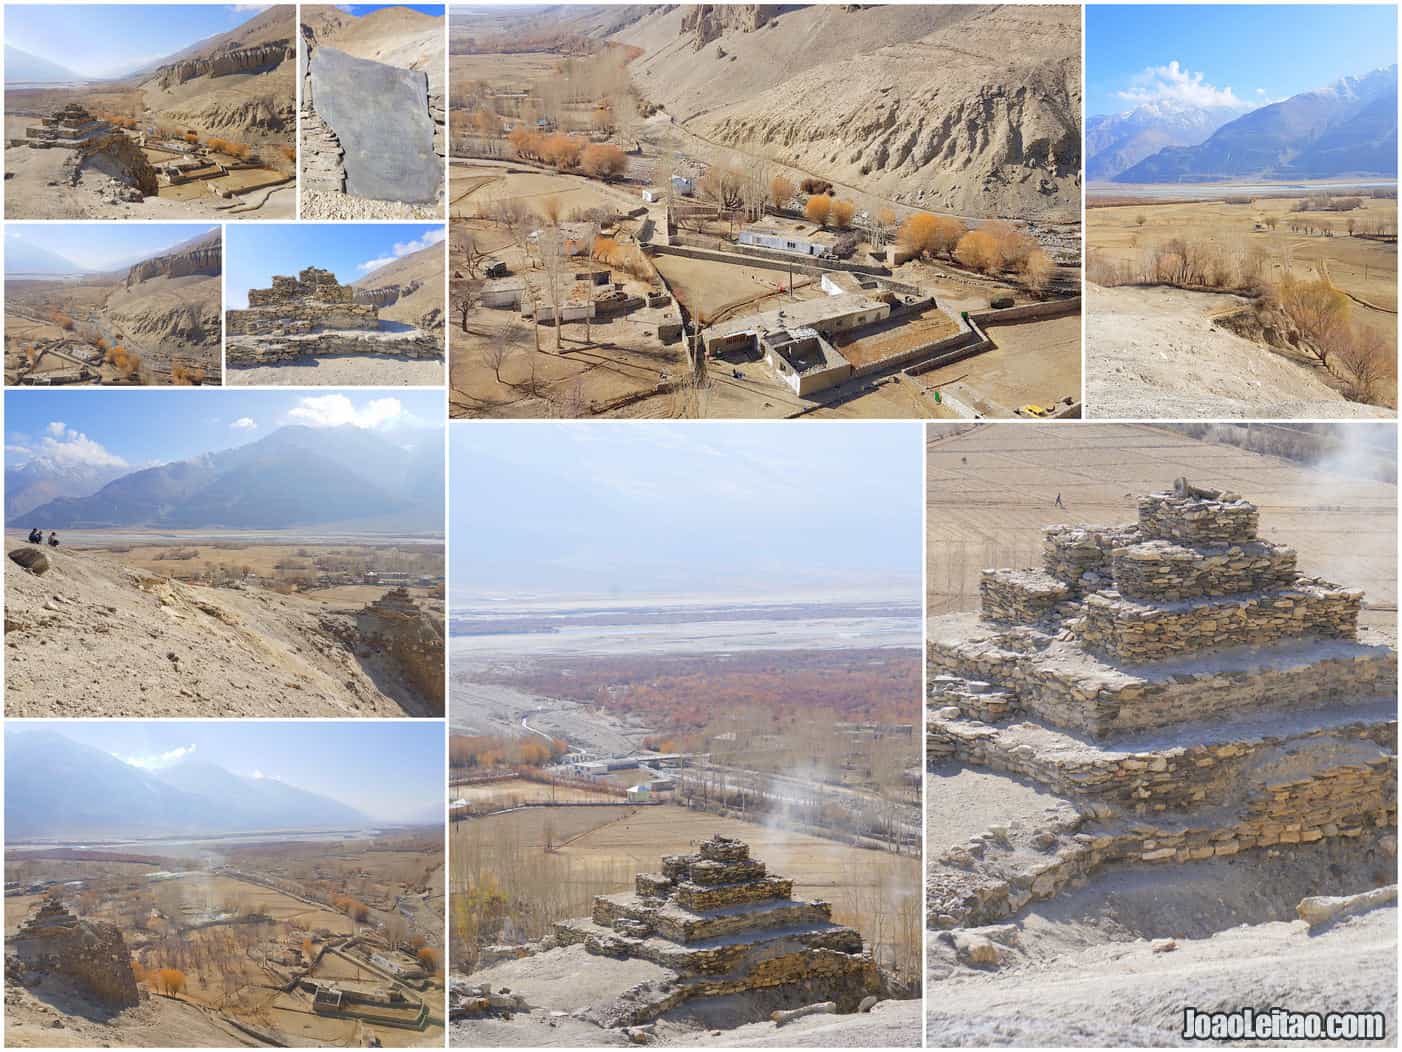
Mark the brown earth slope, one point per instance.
(972, 110)
(93, 637)
(409, 290)
(239, 85)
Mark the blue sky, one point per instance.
(103, 246)
(1229, 55)
(361, 10)
(560, 510)
(254, 252)
(392, 771)
(153, 426)
(108, 40)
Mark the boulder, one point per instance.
(32, 559)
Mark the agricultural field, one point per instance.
(552, 862)
(236, 934)
(991, 490)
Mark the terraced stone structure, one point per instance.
(1180, 683)
(722, 924)
(314, 314)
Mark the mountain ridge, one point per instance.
(1347, 128)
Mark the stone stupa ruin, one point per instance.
(314, 315)
(721, 924)
(1181, 684)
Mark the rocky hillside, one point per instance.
(409, 290)
(239, 85)
(92, 637)
(1346, 129)
(972, 110)
(201, 255)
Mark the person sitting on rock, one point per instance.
(36, 536)
(53, 539)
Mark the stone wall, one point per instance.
(1195, 516)
(297, 318)
(1174, 779)
(1165, 570)
(1080, 555)
(1020, 596)
(1133, 631)
(313, 284)
(1105, 702)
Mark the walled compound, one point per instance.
(1180, 684)
(721, 924)
(314, 315)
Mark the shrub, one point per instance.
(603, 160)
(841, 213)
(818, 208)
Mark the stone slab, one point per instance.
(380, 116)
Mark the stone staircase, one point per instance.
(723, 925)
(1180, 683)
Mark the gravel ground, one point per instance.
(317, 204)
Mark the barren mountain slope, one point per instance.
(972, 110)
(396, 36)
(92, 637)
(174, 300)
(1154, 353)
(240, 84)
(410, 289)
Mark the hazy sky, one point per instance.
(254, 252)
(1240, 56)
(637, 509)
(392, 771)
(143, 426)
(103, 246)
(109, 40)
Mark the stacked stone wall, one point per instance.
(1113, 702)
(718, 896)
(1080, 555)
(1192, 519)
(1134, 631)
(1178, 779)
(1020, 596)
(1165, 570)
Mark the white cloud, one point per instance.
(64, 447)
(163, 759)
(1174, 85)
(244, 423)
(337, 410)
(404, 248)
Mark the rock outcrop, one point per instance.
(706, 22)
(259, 59)
(206, 259)
(92, 955)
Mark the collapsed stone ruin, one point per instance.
(92, 955)
(721, 924)
(314, 314)
(395, 626)
(94, 144)
(1181, 684)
